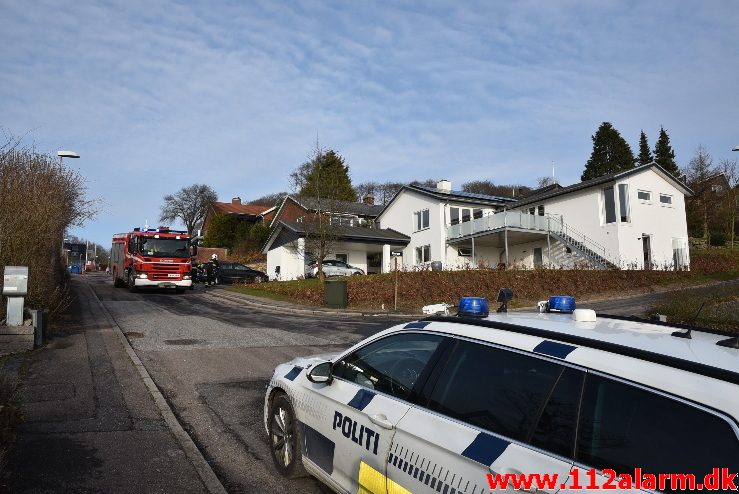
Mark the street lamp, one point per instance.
(67, 154)
(736, 148)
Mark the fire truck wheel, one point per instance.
(131, 282)
(117, 282)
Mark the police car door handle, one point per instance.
(381, 420)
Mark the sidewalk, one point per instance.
(90, 422)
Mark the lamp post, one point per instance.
(67, 154)
(736, 148)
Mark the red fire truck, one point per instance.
(151, 257)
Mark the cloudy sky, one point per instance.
(160, 95)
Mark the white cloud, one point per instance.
(156, 96)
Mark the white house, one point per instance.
(629, 220)
(288, 247)
(633, 219)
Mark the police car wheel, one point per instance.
(285, 440)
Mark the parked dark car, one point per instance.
(234, 272)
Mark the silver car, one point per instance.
(333, 267)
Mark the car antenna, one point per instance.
(730, 342)
(686, 334)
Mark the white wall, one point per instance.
(662, 222)
(584, 210)
(292, 264)
(400, 217)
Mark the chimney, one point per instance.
(369, 199)
(236, 201)
(444, 186)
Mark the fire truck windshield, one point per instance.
(163, 247)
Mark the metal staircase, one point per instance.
(585, 246)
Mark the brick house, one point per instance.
(249, 213)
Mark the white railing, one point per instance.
(526, 221)
(515, 219)
(556, 225)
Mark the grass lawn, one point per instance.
(711, 307)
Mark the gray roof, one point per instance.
(461, 195)
(288, 231)
(340, 207)
(548, 194)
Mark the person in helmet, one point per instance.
(212, 270)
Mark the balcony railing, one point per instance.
(511, 219)
(554, 224)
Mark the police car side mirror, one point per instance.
(321, 373)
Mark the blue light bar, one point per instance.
(473, 307)
(561, 303)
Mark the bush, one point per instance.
(718, 239)
(39, 200)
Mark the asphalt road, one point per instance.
(212, 360)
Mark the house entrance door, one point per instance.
(647, 248)
(538, 260)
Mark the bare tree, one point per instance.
(730, 169)
(545, 181)
(269, 199)
(39, 200)
(189, 204)
(699, 170)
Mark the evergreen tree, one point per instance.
(325, 176)
(221, 231)
(645, 155)
(664, 156)
(611, 153)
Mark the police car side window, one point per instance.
(494, 389)
(391, 365)
(623, 427)
(555, 430)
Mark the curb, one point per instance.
(193, 454)
(234, 297)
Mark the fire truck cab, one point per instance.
(151, 257)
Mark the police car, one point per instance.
(433, 406)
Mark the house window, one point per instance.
(342, 257)
(532, 210)
(716, 188)
(464, 252)
(477, 213)
(423, 254)
(609, 201)
(665, 199)
(454, 216)
(623, 202)
(421, 219)
(466, 215)
(679, 253)
(644, 195)
(540, 210)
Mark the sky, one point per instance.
(158, 95)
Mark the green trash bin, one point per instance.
(335, 294)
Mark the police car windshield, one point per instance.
(163, 247)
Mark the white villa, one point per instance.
(628, 220)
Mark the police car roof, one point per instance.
(640, 339)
